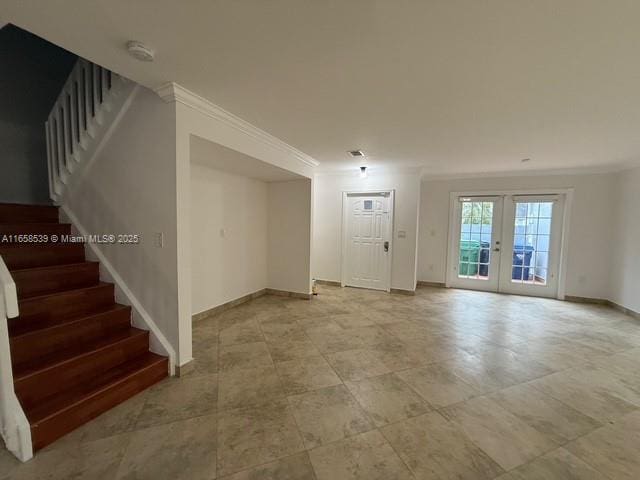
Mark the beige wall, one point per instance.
(230, 264)
(590, 228)
(327, 223)
(289, 246)
(130, 188)
(625, 246)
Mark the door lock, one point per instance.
(386, 246)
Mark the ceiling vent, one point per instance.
(356, 153)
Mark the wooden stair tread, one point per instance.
(37, 298)
(74, 352)
(35, 228)
(17, 212)
(20, 330)
(69, 398)
(45, 268)
(58, 358)
(50, 279)
(19, 256)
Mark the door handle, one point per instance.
(386, 246)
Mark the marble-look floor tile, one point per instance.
(295, 467)
(242, 388)
(248, 437)
(243, 356)
(367, 456)
(185, 449)
(558, 353)
(284, 350)
(438, 385)
(178, 399)
(398, 355)
(549, 416)
(328, 415)
(436, 449)
(8, 463)
(205, 360)
(98, 459)
(387, 399)
(591, 391)
(495, 369)
(507, 439)
(357, 364)
(120, 419)
(612, 449)
(241, 332)
(307, 373)
(556, 465)
(353, 320)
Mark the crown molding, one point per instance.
(172, 92)
(595, 170)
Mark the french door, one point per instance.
(508, 244)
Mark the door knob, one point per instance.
(386, 246)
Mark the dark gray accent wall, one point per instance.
(32, 73)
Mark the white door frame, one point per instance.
(492, 283)
(390, 230)
(564, 243)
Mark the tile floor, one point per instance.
(359, 384)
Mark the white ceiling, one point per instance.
(218, 157)
(455, 86)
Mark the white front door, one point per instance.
(367, 220)
(476, 246)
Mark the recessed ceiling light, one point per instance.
(140, 51)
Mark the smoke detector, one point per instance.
(140, 51)
(356, 153)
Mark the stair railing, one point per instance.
(78, 120)
(14, 426)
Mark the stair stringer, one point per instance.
(140, 318)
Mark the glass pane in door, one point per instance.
(475, 239)
(531, 242)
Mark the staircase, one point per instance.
(73, 350)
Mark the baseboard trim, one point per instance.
(330, 283)
(401, 291)
(182, 370)
(140, 317)
(628, 311)
(603, 301)
(196, 317)
(422, 283)
(595, 301)
(286, 293)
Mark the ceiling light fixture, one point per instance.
(363, 172)
(140, 51)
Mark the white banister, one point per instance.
(14, 425)
(90, 99)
